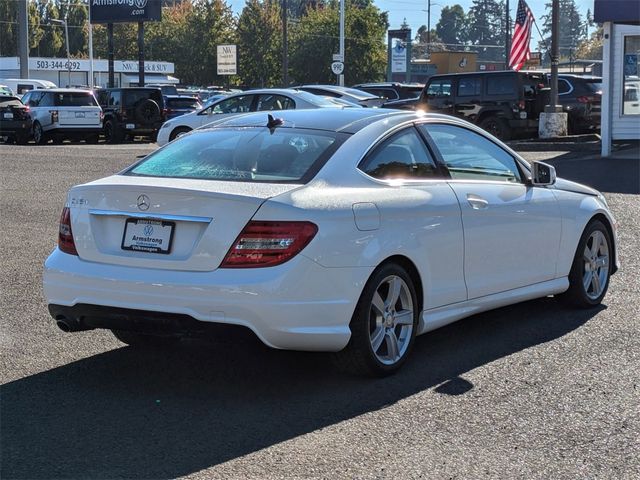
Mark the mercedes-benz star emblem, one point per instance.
(143, 202)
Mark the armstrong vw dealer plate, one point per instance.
(142, 235)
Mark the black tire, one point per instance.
(360, 356)
(112, 132)
(144, 340)
(22, 138)
(93, 138)
(39, 137)
(147, 112)
(496, 127)
(177, 132)
(587, 297)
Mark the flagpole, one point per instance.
(546, 45)
(507, 39)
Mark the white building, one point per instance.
(57, 71)
(620, 71)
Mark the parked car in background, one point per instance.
(581, 98)
(503, 102)
(131, 112)
(353, 95)
(166, 89)
(213, 98)
(177, 105)
(22, 85)
(6, 91)
(15, 120)
(392, 90)
(64, 113)
(631, 99)
(268, 99)
(349, 231)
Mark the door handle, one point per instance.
(476, 202)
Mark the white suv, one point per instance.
(60, 113)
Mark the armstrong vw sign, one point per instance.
(113, 11)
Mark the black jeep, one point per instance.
(131, 112)
(504, 103)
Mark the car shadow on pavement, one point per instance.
(142, 414)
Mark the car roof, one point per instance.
(352, 91)
(182, 95)
(492, 72)
(389, 84)
(348, 120)
(63, 90)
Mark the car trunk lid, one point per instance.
(166, 223)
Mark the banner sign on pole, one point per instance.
(122, 11)
(227, 60)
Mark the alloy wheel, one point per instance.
(391, 320)
(596, 265)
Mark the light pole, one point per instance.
(341, 76)
(66, 35)
(429, 3)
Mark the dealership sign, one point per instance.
(116, 11)
(227, 60)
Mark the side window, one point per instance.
(403, 156)
(26, 98)
(115, 98)
(234, 105)
(23, 87)
(563, 86)
(470, 156)
(439, 89)
(501, 84)
(46, 99)
(469, 86)
(275, 102)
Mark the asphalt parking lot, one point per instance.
(529, 391)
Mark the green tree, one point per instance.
(420, 47)
(591, 49)
(45, 38)
(316, 38)
(8, 28)
(260, 43)
(486, 26)
(76, 14)
(452, 27)
(572, 30)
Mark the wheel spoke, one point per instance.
(595, 281)
(587, 254)
(376, 338)
(394, 291)
(392, 344)
(378, 303)
(586, 280)
(404, 317)
(602, 261)
(595, 243)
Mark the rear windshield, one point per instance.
(248, 154)
(74, 99)
(133, 97)
(183, 103)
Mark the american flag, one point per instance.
(520, 52)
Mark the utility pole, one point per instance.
(66, 36)
(23, 38)
(141, 54)
(553, 121)
(91, 82)
(341, 76)
(110, 55)
(285, 45)
(429, 28)
(507, 37)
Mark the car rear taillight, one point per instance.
(266, 244)
(54, 116)
(586, 99)
(101, 115)
(65, 235)
(522, 105)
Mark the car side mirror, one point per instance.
(542, 174)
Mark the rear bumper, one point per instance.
(75, 130)
(11, 127)
(295, 306)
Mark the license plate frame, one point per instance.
(80, 115)
(138, 238)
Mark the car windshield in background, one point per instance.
(74, 99)
(317, 100)
(183, 103)
(247, 154)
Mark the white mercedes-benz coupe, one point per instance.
(348, 231)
